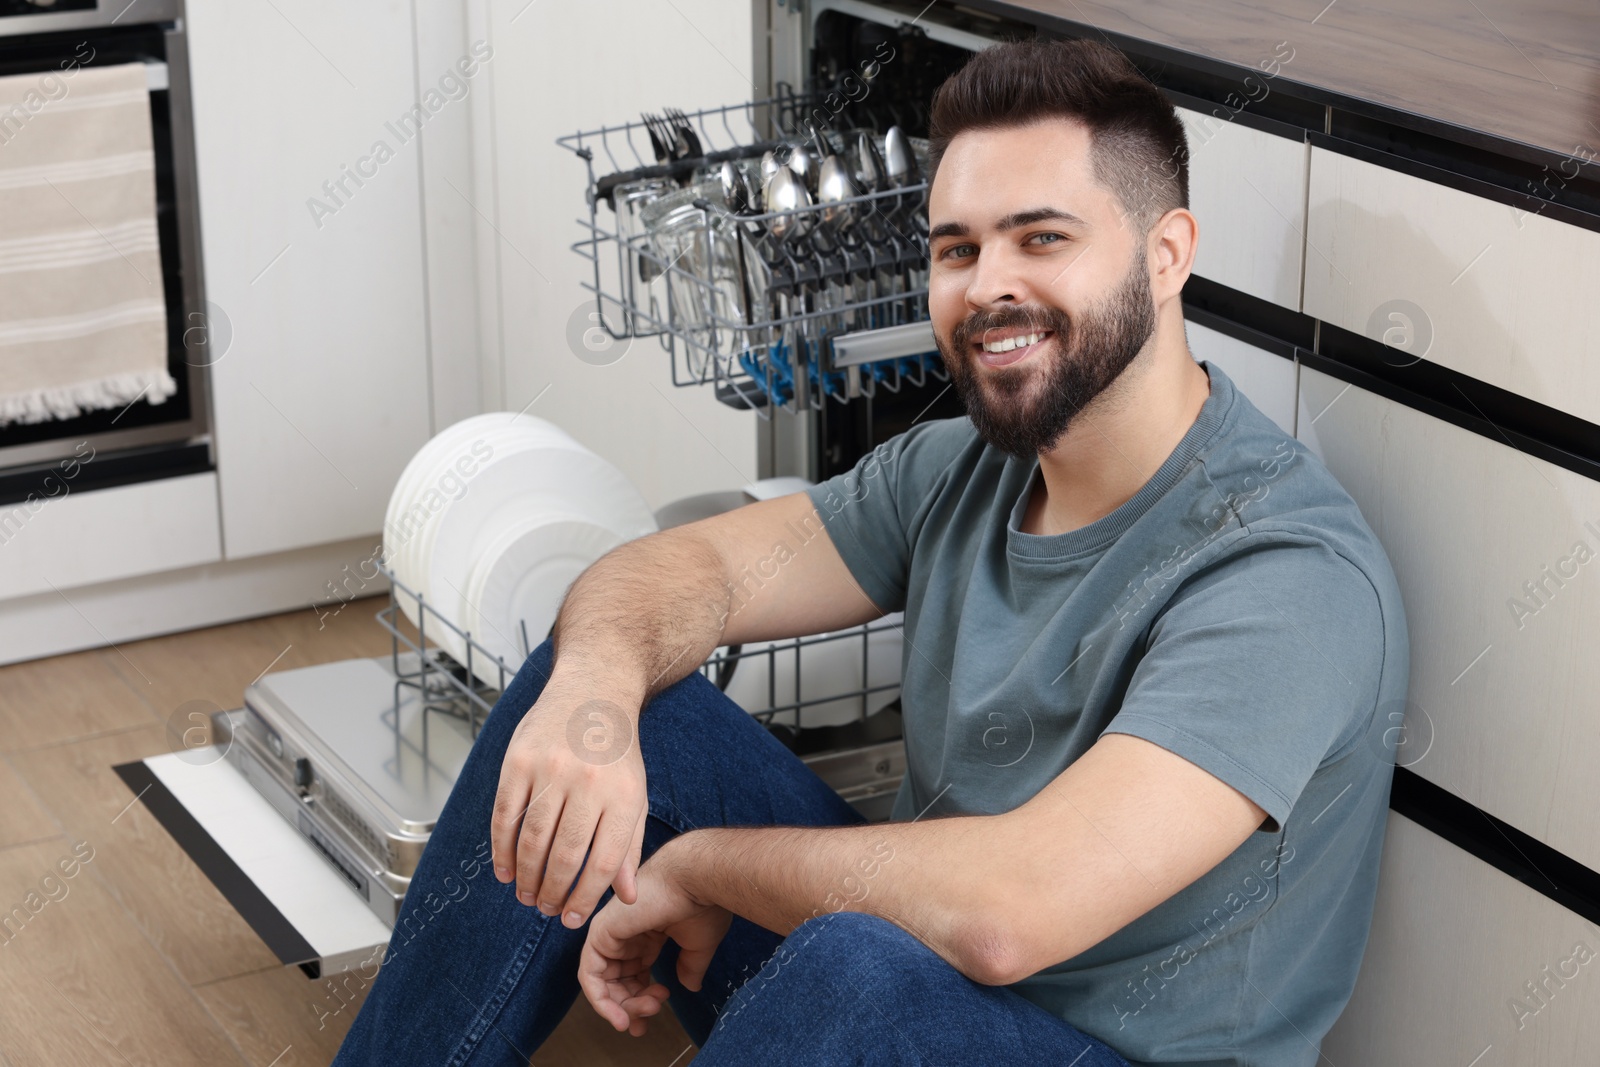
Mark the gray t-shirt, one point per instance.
(1237, 611)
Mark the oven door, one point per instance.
(156, 439)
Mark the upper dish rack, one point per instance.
(774, 304)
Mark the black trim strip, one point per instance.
(264, 918)
(1505, 417)
(1247, 318)
(1496, 842)
(1246, 116)
(1498, 414)
(103, 470)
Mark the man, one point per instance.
(1147, 641)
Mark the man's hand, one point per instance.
(625, 939)
(572, 782)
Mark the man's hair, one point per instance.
(1139, 150)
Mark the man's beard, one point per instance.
(1016, 416)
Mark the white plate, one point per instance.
(499, 432)
(519, 580)
(560, 480)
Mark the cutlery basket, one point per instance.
(774, 306)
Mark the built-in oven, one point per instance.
(137, 440)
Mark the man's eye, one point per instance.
(956, 252)
(1048, 238)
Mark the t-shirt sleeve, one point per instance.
(871, 511)
(1262, 665)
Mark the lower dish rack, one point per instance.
(842, 715)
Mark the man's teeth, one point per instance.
(1013, 342)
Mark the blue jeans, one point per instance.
(472, 976)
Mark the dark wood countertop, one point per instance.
(1525, 74)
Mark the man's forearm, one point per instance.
(931, 879)
(646, 614)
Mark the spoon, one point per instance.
(870, 172)
(900, 162)
(804, 167)
(787, 194)
(833, 185)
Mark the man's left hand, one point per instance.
(625, 939)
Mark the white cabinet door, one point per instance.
(1266, 378)
(311, 223)
(1498, 558)
(1467, 966)
(1502, 295)
(559, 68)
(1247, 192)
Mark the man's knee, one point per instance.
(841, 944)
(842, 936)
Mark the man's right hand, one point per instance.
(572, 783)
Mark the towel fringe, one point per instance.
(69, 401)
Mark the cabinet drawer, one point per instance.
(1267, 379)
(1496, 555)
(1247, 191)
(78, 538)
(1463, 960)
(1497, 293)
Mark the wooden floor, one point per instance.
(137, 959)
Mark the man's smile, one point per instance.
(1003, 347)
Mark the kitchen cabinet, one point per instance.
(1502, 294)
(1247, 192)
(313, 241)
(670, 442)
(1495, 554)
(76, 539)
(1467, 966)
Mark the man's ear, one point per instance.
(1173, 242)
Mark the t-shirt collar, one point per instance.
(1103, 531)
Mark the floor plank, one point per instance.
(174, 903)
(48, 701)
(81, 985)
(21, 818)
(281, 1018)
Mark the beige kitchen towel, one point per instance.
(83, 314)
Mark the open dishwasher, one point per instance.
(310, 804)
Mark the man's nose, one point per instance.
(997, 281)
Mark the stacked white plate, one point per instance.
(492, 521)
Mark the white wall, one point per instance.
(558, 68)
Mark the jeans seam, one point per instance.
(472, 1040)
